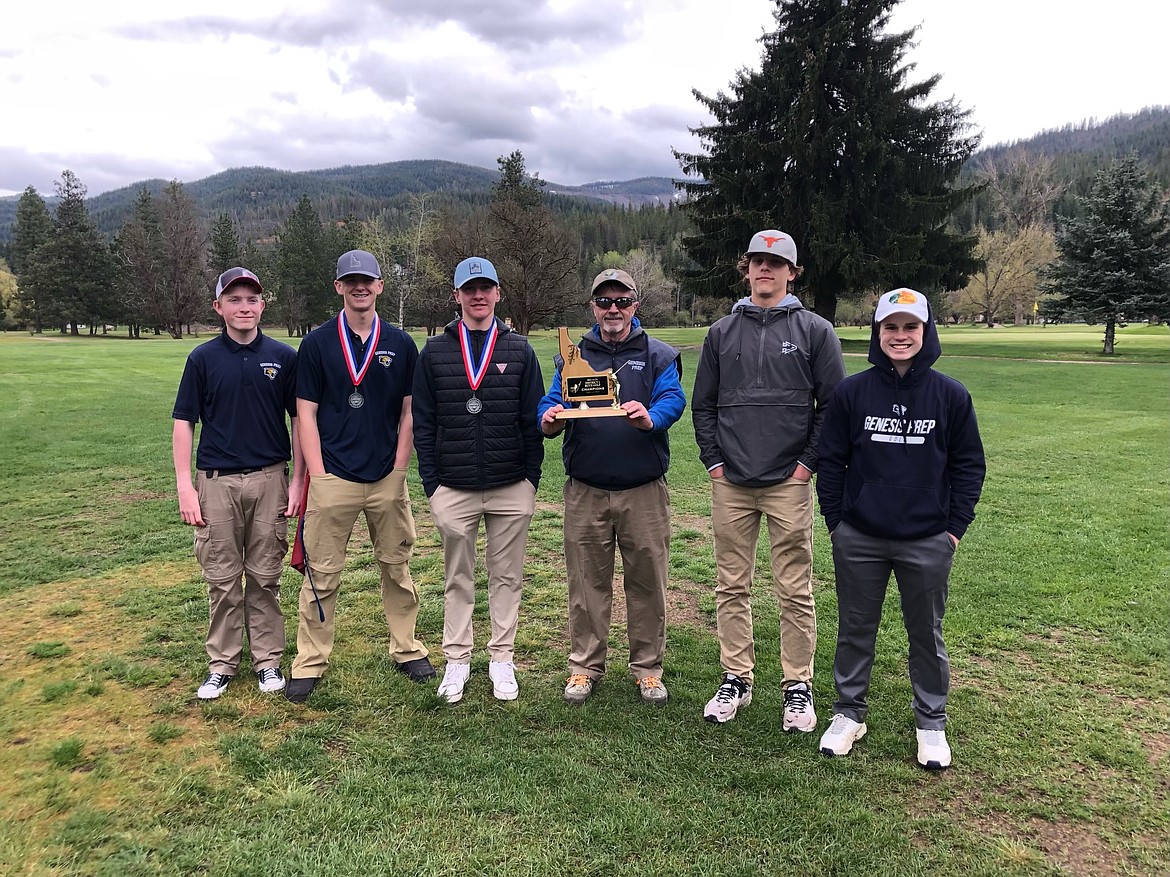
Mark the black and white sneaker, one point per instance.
(213, 686)
(799, 714)
(732, 693)
(270, 680)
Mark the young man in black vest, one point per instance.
(479, 457)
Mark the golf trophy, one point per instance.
(580, 385)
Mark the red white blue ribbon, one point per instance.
(356, 374)
(476, 370)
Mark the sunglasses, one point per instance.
(605, 303)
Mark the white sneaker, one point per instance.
(933, 751)
(213, 686)
(732, 693)
(454, 681)
(841, 734)
(799, 714)
(270, 680)
(503, 676)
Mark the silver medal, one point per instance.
(474, 406)
(356, 399)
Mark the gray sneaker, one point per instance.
(578, 689)
(652, 690)
(841, 734)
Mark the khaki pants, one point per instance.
(506, 513)
(245, 533)
(735, 520)
(636, 522)
(331, 512)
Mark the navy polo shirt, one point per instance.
(240, 394)
(357, 444)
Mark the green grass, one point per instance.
(1057, 628)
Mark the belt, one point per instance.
(215, 473)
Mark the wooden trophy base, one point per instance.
(599, 411)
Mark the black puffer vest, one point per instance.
(478, 451)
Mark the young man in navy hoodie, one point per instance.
(901, 468)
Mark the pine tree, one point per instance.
(1114, 258)
(138, 255)
(73, 270)
(305, 270)
(225, 246)
(34, 228)
(831, 142)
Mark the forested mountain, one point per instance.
(1078, 152)
(261, 199)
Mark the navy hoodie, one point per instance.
(900, 457)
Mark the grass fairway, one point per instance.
(1057, 628)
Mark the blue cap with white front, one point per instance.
(473, 269)
(358, 262)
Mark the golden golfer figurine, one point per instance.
(580, 385)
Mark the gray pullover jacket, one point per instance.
(764, 377)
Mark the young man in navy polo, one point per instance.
(239, 386)
(354, 407)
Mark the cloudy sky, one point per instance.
(125, 90)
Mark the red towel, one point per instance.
(297, 561)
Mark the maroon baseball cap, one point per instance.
(236, 275)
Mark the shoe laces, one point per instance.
(797, 699)
(650, 682)
(839, 723)
(271, 674)
(218, 680)
(731, 688)
(578, 679)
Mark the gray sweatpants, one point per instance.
(922, 569)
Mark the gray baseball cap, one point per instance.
(358, 262)
(774, 242)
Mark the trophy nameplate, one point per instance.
(580, 385)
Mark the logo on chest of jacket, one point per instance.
(635, 365)
(899, 410)
(501, 366)
(385, 358)
(788, 347)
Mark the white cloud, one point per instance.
(588, 89)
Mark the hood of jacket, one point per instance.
(789, 302)
(924, 359)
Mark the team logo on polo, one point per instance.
(384, 360)
(270, 370)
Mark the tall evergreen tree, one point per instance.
(225, 245)
(305, 270)
(34, 228)
(73, 270)
(831, 142)
(138, 254)
(1114, 258)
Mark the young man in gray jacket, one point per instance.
(765, 374)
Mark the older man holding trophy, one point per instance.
(615, 395)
